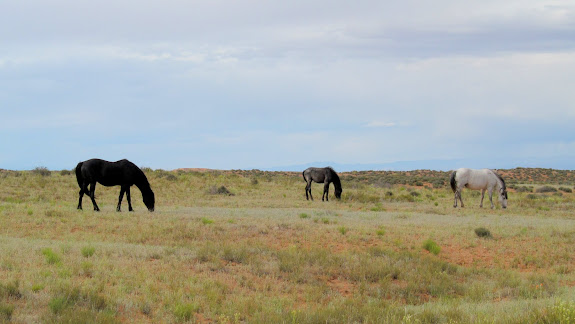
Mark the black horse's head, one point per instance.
(149, 199)
(338, 193)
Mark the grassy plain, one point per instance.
(392, 250)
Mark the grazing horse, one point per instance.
(120, 173)
(322, 175)
(483, 179)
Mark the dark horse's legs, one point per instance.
(308, 188)
(83, 190)
(93, 196)
(125, 189)
(325, 191)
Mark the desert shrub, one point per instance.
(222, 190)
(532, 196)
(565, 189)
(431, 246)
(170, 176)
(65, 172)
(415, 194)
(560, 312)
(545, 189)
(42, 171)
(255, 181)
(303, 215)
(482, 232)
(524, 189)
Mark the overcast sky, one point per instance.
(258, 84)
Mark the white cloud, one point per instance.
(376, 123)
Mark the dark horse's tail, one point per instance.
(79, 176)
(452, 181)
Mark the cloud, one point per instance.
(379, 124)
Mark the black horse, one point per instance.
(322, 175)
(120, 173)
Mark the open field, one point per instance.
(392, 250)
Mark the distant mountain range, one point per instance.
(564, 163)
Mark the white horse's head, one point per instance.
(503, 197)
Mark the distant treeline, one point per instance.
(435, 179)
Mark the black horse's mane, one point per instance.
(336, 180)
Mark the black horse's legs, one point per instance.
(325, 191)
(129, 198)
(308, 188)
(93, 196)
(120, 199)
(83, 189)
(80, 200)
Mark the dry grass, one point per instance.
(268, 255)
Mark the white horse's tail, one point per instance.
(452, 181)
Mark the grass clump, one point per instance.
(206, 221)
(431, 246)
(51, 256)
(88, 251)
(6, 311)
(185, 311)
(303, 215)
(11, 289)
(482, 232)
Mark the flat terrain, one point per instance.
(393, 249)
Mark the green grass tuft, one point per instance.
(431, 246)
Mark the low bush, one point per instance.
(42, 171)
(222, 190)
(482, 232)
(565, 189)
(545, 189)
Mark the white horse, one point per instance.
(483, 179)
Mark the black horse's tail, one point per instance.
(452, 181)
(79, 177)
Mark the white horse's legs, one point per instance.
(482, 195)
(455, 199)
(491, 197)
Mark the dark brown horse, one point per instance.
(120, 173)
(325, 176)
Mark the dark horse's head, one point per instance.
(336, 183)
(149, 199)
